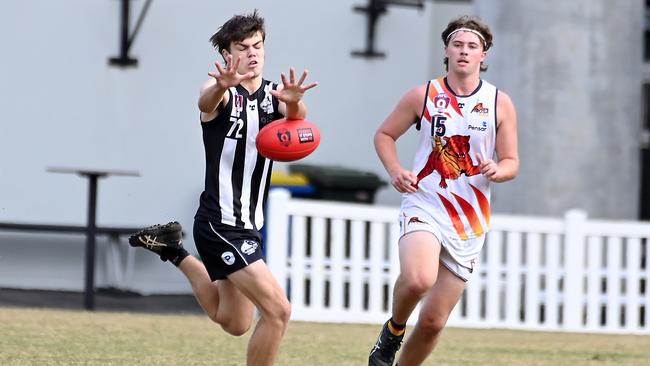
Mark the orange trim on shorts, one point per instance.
(471, 215)
(455, 218)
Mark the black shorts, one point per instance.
(225, 249)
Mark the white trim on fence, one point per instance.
(338, 262)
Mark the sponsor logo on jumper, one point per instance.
(249, 247)
(461, 105)
(252, 107)
(284, 136)
(478, 108)
(228, 258)
(483, 127)
(441, 101)
(305, 135)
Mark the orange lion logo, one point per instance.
(450, 160)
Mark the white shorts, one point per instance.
(413, 220)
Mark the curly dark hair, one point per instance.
(236, 29)
(468, 22)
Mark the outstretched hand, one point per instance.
(292, 90)
(488, 167)
(228, 76)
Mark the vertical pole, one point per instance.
(91, 229)
(277, 235)
(125, 31)
(574, 247)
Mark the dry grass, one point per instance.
(56, 337)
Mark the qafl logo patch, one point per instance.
(441, 101)
(284, 136)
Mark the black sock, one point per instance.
(175, 256)
(396, 328)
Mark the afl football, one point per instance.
(287, 139)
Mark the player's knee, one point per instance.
(283, 312)
(418, 285)
(431, 325)
(278, 313)
(236, 328)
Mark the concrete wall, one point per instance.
(573, 69)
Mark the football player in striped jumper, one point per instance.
(232, 278)
(467, 140)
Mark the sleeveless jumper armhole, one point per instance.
(418, 122)
(496, 111)
(221, 109)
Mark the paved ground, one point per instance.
(105, 299)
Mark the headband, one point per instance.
(468, 30)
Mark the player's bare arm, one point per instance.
(507, 166)
(290, 94)
(214, 90)
(396, 124)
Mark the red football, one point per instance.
(287, 140)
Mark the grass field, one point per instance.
(57, 337)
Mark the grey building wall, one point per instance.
(61, 105)
(573, 69)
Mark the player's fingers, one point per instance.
(312, 85)
(292, 75)
(412, 178)
(283, 77)
(303, 77)
(248, 75)
(212, 74)
(236, 65)
(479, 158)
(219, 68)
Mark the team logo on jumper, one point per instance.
(441, 101)
(478, 108)
(249, 247)
(228, 258)
(481, 128)
(267, 103)
(305, 135)
(284, 136)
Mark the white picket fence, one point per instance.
(338, 262)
